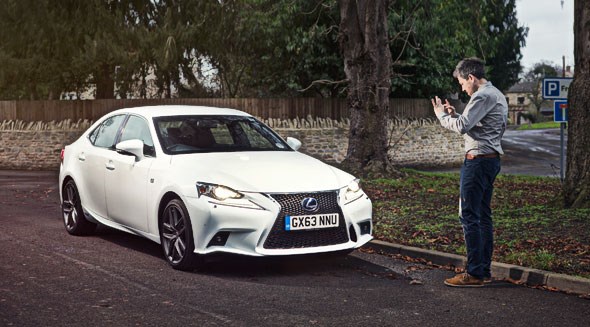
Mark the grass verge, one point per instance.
(543, 125)
(421, 210)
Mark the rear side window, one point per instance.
(105, 134)
(137, 128)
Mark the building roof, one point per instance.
(522, 87)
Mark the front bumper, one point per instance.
(219, 228)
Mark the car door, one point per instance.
(126, 177)
(92, 159)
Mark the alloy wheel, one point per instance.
(174, 233)
(70, 206)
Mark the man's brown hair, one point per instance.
(470, 66)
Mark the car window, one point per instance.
(187, 134)
(105, 134)
(137, 128)
(222, 134)
(255, 137)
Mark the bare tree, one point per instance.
(367, 63)
(535, 76)
(576, 189)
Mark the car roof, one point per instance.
(179, 110)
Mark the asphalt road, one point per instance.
(529, 152)
(49, 278)
(533, 152)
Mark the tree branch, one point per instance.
(323, 82)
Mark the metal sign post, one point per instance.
(560, 111)
(562, 154)
(556, 89)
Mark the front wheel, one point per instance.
(74, 220)
(176, 236)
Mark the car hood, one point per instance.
(270, 172)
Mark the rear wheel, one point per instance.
(74, 220)
(176, 236)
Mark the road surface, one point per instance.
(49, 278)
(533, 152)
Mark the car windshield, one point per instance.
(200, 133)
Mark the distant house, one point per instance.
(519, 97)
(519, 102)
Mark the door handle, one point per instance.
(82, 157)
(110, 166)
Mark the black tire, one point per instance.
(73, 216)
(176, 237)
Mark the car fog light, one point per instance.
(365, 227)
(219, 239)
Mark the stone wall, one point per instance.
(328, 144)
(418, 143)
(33, 150)
(425, 144)
(413, 143)
(36, 145)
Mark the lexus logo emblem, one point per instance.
(310, 204)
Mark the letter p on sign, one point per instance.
(552, 88)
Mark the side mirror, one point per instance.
(131, 147)
(294, 143)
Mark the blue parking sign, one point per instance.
(560, 109)
(556, 88)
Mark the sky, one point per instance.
(551, 33)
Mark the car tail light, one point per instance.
(61, 155)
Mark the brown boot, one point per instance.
(464, 280)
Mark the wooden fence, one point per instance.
(57, 110)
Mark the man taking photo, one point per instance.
(482, 125)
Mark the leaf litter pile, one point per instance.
(531, 229)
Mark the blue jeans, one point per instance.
(477, 185)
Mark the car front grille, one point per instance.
(279, 238)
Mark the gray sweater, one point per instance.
(483, 121)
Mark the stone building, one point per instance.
(519, 101)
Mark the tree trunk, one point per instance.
(105, 84)
(364, 45)
(576, 189)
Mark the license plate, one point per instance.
(311, 221)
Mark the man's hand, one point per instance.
(440, 108)
(449, 108)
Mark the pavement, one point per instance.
(500, 271)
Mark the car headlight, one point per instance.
(218, 192)
(353, 191)
(224, 195)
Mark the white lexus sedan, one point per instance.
(201, 180)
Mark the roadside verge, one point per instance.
(500, 271)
